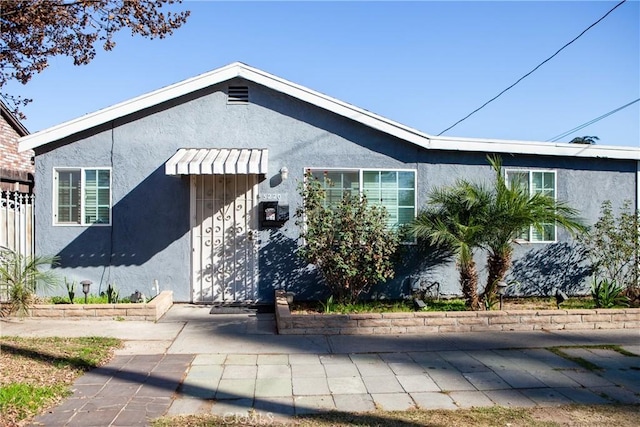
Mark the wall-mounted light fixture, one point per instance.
(284, 173)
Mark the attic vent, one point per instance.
(238, 95)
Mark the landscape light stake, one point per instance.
(86, 284)
(502, 289)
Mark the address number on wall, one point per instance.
(271, 196)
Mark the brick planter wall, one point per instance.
(152, 310)
(451, 321)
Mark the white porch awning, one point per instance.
(209, 161)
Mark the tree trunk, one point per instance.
(497, 265)
(469, 282)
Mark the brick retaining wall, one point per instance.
(152, 310)
(451, 321)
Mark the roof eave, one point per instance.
(238, 69)
(534, 148)
(13, 121)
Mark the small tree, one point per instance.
(22, 276)
(613, 245)
(349, 241)
(456, 222)
(512, 209)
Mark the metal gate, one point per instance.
(225, 257)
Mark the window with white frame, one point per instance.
(82, 196)
(395, 190)
(536, 182)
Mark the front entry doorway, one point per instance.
(223, 234)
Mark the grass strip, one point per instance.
(36, 373)
(585, 363)
(557, 416)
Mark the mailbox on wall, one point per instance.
(273, 215)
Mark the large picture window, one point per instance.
(536, 182)
(82, 196)
(395, 190)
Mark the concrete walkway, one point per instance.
(236, 366)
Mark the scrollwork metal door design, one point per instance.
(225, 260)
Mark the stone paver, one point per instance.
(449, 380)
(470, 399)
(617, 394)
(382, 384)
(244, 373)
(417, 383)
(583, 396)
(308, 371)
(509, 398)
(463, 361)
(274, 371)
(313, 404)
(303, 386)
(433, 400)
(587, 378)
(340, 370)
(486, 380)
(235, 389)
(546, 396)
(232, 407)
(393, 401)
(354, 403)
(374, 370)
(270, 408)
(273, 387)
(519, 379)
(346, 385)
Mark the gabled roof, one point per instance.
(12, 120)
(318, 99)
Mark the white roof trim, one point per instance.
(367, 118)
(209, 161)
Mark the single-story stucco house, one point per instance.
(195, 186)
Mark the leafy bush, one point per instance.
(348, 241)
(608, 294)
(613, 245)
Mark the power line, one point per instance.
(590, 122)
(531, 72)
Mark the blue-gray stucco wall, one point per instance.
(150, 238)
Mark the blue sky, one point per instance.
(423, 64)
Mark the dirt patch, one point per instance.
(570, 416)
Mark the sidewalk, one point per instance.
(193, 362)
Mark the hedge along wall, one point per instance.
(451, 321)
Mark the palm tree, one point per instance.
(511, 210)
(22, 276)
(584, 140)
(455, 222)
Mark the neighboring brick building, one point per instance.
(16, 169)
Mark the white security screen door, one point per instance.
(225, 256)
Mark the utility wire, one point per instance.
(590, 122)
(531, 72)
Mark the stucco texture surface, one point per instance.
(149, 237)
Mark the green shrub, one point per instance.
(613, 245)
(348, 241)
(608, 294)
